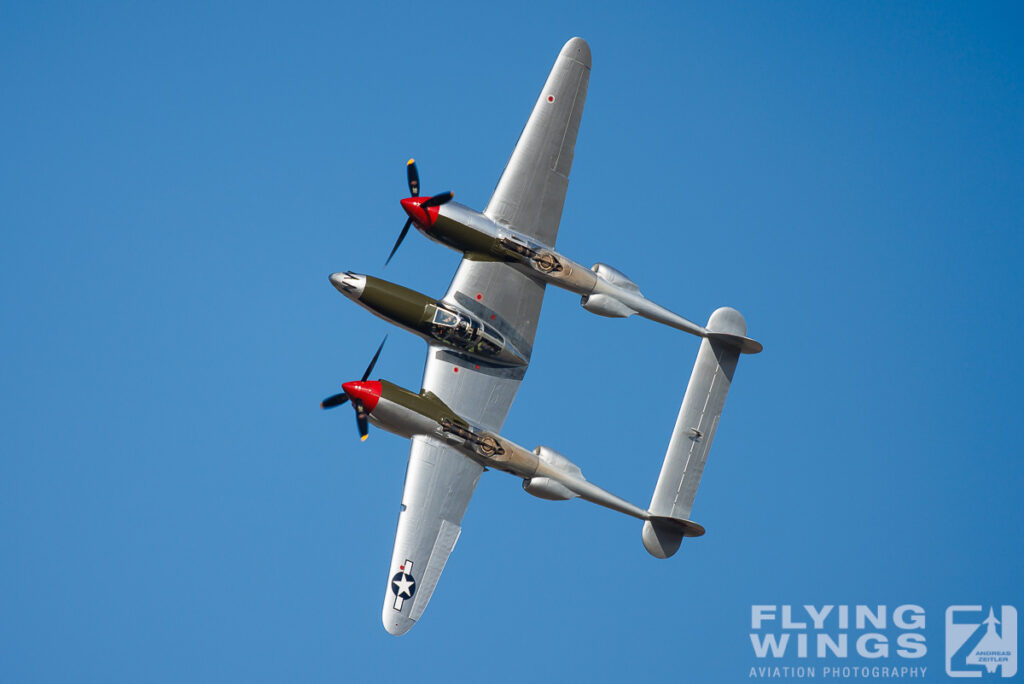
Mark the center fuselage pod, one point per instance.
(546, 473)
(433, 320)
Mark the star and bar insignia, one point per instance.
(403, 584)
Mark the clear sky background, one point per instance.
(177, 182)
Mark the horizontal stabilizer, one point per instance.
(744, 344)
(695, 429)
(687, 528)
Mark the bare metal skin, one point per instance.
(407, 414)
(480, 337)
(604, 290)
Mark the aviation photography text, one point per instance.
(838, 641)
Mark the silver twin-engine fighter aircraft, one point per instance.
(480, 336)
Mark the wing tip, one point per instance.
(577, 49)
(396, 624)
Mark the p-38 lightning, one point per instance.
(480, 338)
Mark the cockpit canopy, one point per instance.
(466, 333)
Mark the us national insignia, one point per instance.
(403, 584)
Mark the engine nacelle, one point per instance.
(606, 305)
(557, 461)
(546, 488)
(615, 277)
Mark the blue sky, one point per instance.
(178, 181)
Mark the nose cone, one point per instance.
(367, 392)
(349, 284)
(423, 218)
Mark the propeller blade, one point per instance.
(361, 422)
(438, 200)
(401, 236)
(414, 178)
(334, 400)
(373, 362)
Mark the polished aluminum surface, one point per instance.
(694, 430)
(440, 479)
(531, 192)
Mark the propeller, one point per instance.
(413, 176)
(401, 236)
(437, 200)
(342, 397)
(361, 422)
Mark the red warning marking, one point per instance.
(455, 370)
(551, 98)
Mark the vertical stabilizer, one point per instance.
(694, 431)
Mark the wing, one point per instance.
(438, 486)
(531, 191)
(507, 299)
(440, 480)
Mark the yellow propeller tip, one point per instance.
(363, 438)
(410, 162)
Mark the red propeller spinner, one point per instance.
(421, 216)
(422, 211)
(367, 392)
(364, 395)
